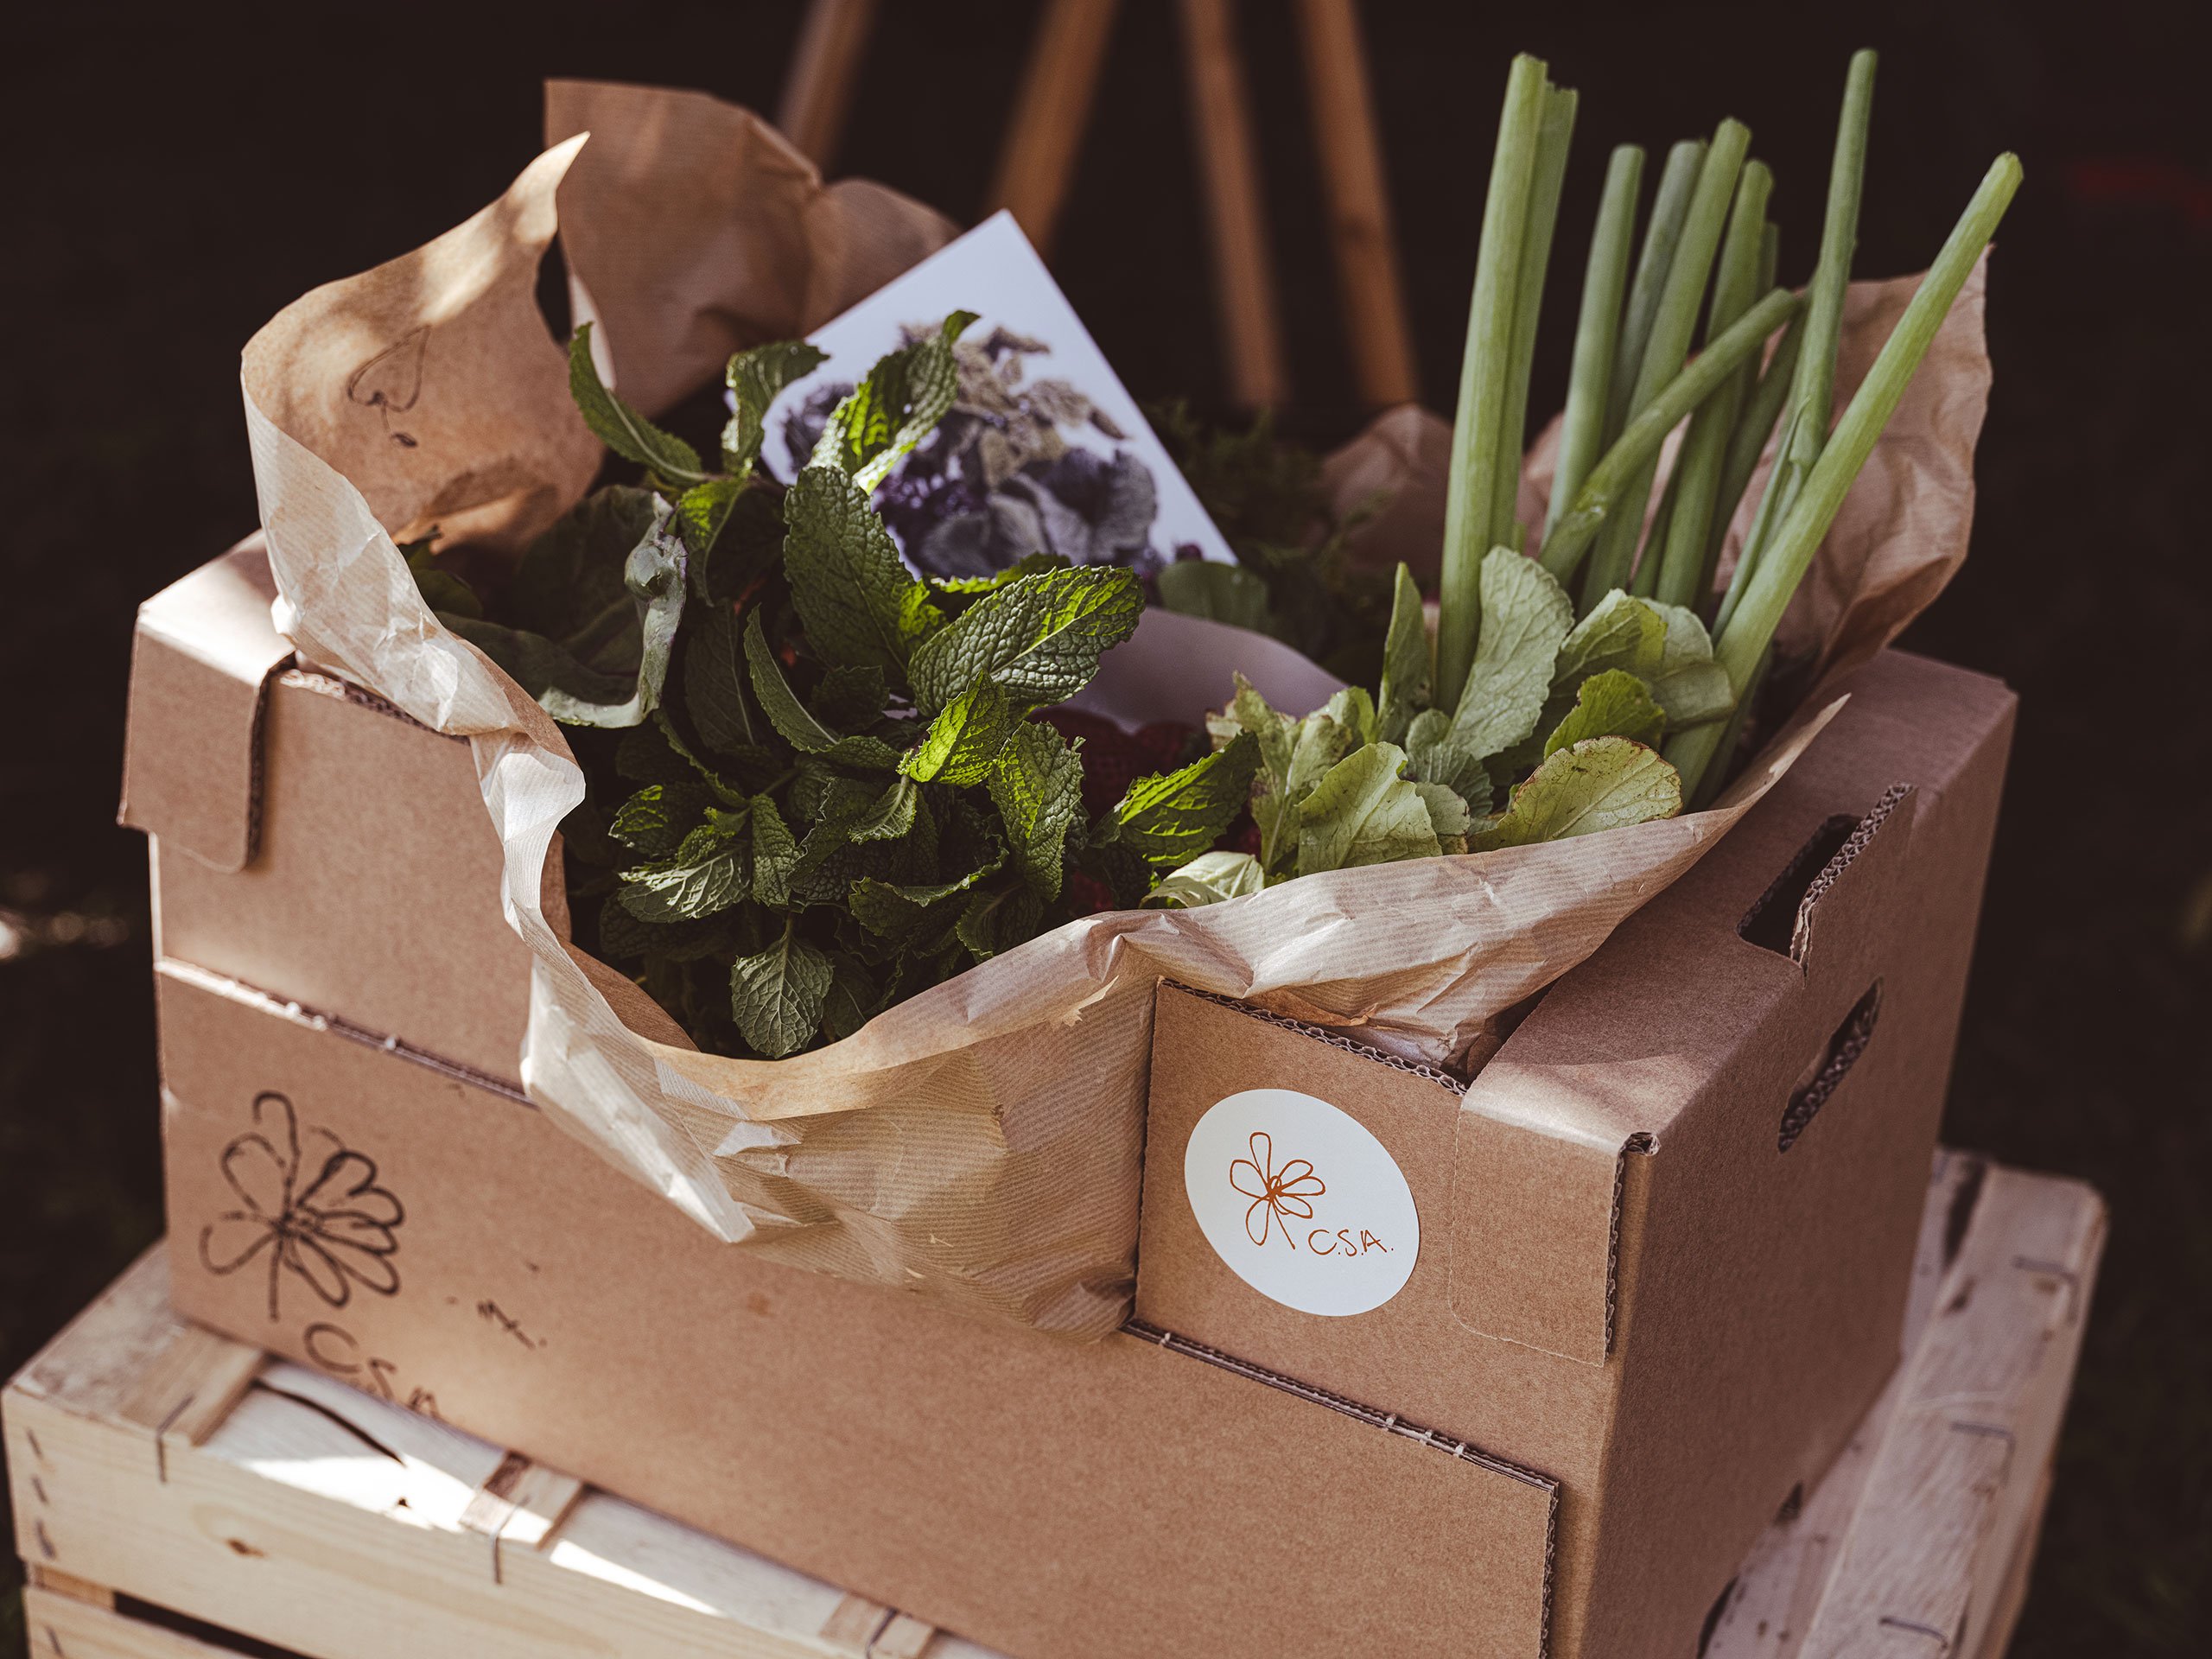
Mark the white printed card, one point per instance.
(1043, 450)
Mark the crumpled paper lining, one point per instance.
(979, 1144)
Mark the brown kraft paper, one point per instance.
(980, 1144)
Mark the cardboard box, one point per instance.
(1663, 1236)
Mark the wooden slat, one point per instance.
(2013, 1592)
(1244, 290)
(59, 1628)
(1045, 135)
(904, 1637)
(59, 1583)
(1352, 175)
(1772, 1603)
(337, 1525)
(1921, 1524)
(825, 67)
(191, 1387)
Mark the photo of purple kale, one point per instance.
(1000, 478)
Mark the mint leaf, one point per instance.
(1039, 638)
(774, 852)
(998, 920)
(1209, 879)
(894, 407)
(854, 999)
(905, 912)
(1602, 783)
(622, 936)
(964, 740)
(1435, 754)
(1612, 704)
(442, 590)
(819, 790)
(1028, 564)
(1526, 616)
(890, 816)
(620, 427)
(706, 874)
(701, 512)
(611, 673)
(1037, 786)
(1168, 819)
(550, 673)
(654, 577)
(1362, 811)
(853, 594)
(1689, 684)
(754, 377)
(1406, 666)
(1224, 593)
(654, 821)
(705, 774)
(849, 697)
(776, 996)
(749, 547)
(571, 575)
(713, 684)
(644, 755)
(791, 718)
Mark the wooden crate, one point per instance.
(180, 1496)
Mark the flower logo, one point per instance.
(1276, 1194)
(326, 1222)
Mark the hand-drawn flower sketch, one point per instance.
(319, 1215)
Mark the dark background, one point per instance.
(172, 176)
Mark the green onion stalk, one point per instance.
(1812, 393)
(1695, 484)
(1677, 183)
(1789, 554)
(1673, 325)
(1610, 492)
(1583, 433)
(1484, 373)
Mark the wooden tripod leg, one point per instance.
(1038, 159)
(1243, 279)
(1359, 202)
(824, 67)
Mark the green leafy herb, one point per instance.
(620, 427)
(1210, 879)
(830, 789)
(1364, 811)
(1168, 820)
(1600, 784)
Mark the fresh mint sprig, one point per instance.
(819, 784)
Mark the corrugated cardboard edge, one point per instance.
(1388, 1421)
(1374, 1416)
(1534, 1140)
(319, 1019)
(1322, 1034)
(204, 642)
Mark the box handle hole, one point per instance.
(1771, 922)
(1844, 1049)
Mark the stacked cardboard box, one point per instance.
(1663, 1235)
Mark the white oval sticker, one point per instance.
(1302, 1202)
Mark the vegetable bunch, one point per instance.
(832, 792)
(1595, 679)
